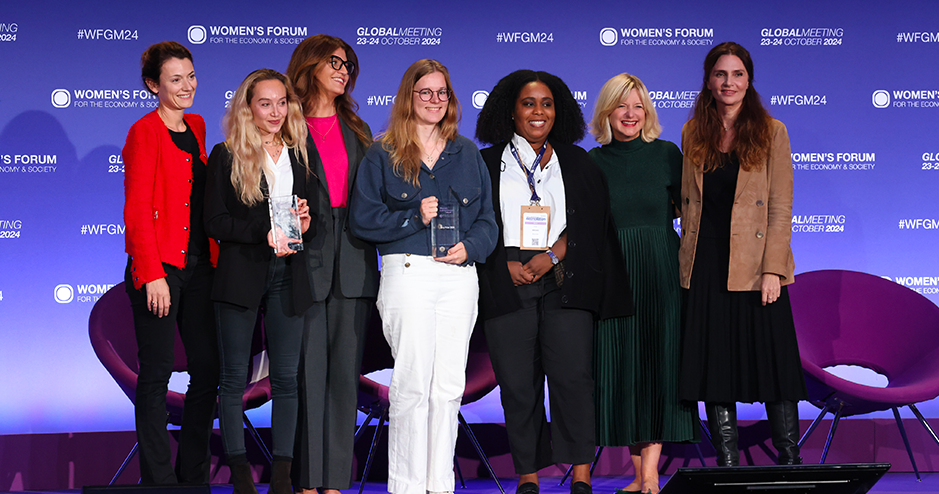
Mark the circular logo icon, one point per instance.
(881, 99)
(63, 293)
(608, 36)
(479, 99)
(61, 98)
(197, 34)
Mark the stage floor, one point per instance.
(891, 483)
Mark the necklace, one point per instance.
(323, 134)
(430, 154)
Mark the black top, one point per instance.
(244, 255)
(198, 240)
(718, 203)
(595, 276)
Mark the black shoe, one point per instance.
(722, 422)
(783, 419)
(527, 488)
(242, 479)
(581, 488)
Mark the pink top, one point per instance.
(327, 135)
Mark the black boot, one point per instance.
(280, 476)
(722, 422)
(784, 423)
(241, 477)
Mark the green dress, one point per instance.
(636, 358)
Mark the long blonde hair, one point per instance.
(244, 141)
(613, 92)
(401, 140)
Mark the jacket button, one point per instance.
(759, 202)
(182, 251)
(432, 176)
(186, 204)
(564, 298)
(185, 228)
(190, 180)
(570, 211)
(404, 195)
(407, 264)
(188, 160)
(408, 255)
(759, 234)
(570, 274)
(572, 243)
(465, 201)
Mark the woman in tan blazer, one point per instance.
(738, 339)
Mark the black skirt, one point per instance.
(733, 347)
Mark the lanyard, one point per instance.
(530, 173)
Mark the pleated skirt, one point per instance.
(636, 358)
(733, 348)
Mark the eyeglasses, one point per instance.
(428, 94)
(337, 64)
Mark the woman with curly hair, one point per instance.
(427, 296)
(264, 156)
(738, 340)
(555, 269)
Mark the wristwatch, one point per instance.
(554, 258)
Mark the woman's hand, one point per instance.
(518, 274)
(428, 209)
(456, 255)
(771, 288)
(538, 266)
(282, 247)
(158, 297)
(303, 210)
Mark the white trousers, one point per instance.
(428, 311)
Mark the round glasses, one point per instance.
(428, 94)
(337, 63)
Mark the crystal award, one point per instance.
(285, 222)
(445, 228)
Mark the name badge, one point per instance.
(536, 222)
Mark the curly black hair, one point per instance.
(494, 124)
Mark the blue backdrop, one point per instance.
(856, 83)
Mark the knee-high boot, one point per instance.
(722, 423)
(784, 424)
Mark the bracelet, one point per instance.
(554, 258)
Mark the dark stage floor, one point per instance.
(891, 483)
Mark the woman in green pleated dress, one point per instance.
(636, 358)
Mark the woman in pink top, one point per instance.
(343, 269)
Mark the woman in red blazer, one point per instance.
(170, 267)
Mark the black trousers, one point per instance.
(330, 361)
(190, 308)
(545, 340)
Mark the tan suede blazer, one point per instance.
(761, 219)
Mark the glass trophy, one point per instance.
(445, 228)
(285, 222)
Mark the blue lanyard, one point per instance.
(530, 173)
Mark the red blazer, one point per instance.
(157, 188)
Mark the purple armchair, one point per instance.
(111, 329)
(852, 318)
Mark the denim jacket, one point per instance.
(385, 208)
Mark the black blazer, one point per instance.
(358, 259)
(595, 277)
(244, 255)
